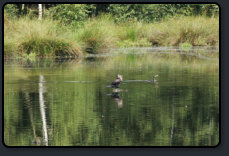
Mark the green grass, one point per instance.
(97, 34)
(197, 31)
(8, 48)
(47, 38)
(44, 38)
(47, 47)
(185, 46)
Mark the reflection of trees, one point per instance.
(179, 112)
(42, 108)
(32, 127)
(37, 139)
(172, 122)
(28, 103)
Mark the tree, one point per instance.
(40, 11)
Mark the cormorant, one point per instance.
(116, 82)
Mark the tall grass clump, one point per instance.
(197, 31)
(44, 38)
(24, 36)
(97, 34)
(133, 34)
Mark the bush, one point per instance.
(69, 14)
(11, 10)
(157, 12)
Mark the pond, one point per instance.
(68, 102)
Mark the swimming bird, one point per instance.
(116, 82)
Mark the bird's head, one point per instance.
(119, 77)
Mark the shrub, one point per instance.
(11, 10)
(69, 14)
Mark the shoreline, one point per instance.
(136, 51)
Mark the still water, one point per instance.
(65, 102)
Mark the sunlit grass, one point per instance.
(97, 34)
(48, 38)
(41, 37)
(200, 31)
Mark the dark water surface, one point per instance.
(65, 102)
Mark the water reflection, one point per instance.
(117, 99)
(29, 105)
(42, 108)
(36, 139)
(65, 102)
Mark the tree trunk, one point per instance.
(40, 11)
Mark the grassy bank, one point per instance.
(45, 38)
(24, 37)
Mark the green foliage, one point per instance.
(76, 14)
(129, 43)
(65, 28)
(206, 9)
(11, 10)
(156, 12)
(31, 56)
(69, 14)
(185, 46)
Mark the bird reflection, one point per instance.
(154, 81)
(117, 99)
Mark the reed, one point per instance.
(48, 38)
(44, 38)
(97, 34)
(197, 31)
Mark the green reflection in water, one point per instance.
(180, 109)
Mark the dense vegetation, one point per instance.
(72, 29)
(180, 109)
